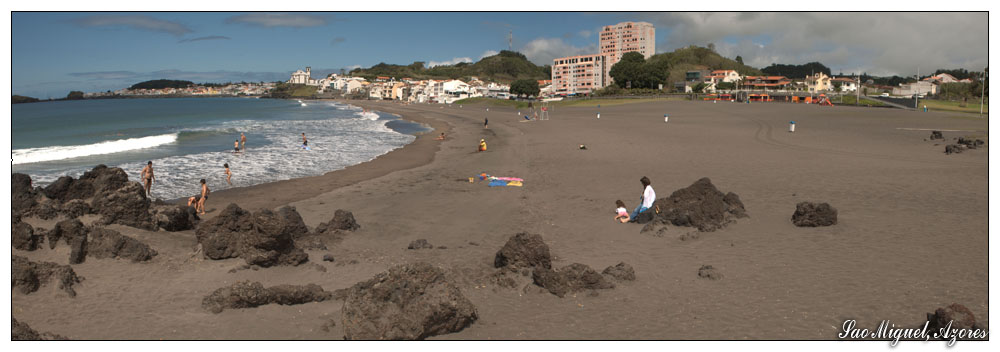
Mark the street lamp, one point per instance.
(982, 95)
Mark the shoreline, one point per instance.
(274, 194)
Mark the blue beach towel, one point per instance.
(498, 183)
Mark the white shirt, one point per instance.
(621, 211)
(648, 196)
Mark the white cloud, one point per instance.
(878, 43)
(449, 62)
(279, 19)
(542, 51)
(140, 22)
(488, 53)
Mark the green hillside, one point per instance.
(698, 58)
(507, 66)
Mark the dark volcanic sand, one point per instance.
(903, 206)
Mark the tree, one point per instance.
(739, 59)
(74, 95)
(698, 88)
(725, 85)
(527, 87)
(837, 86)
(628, 71)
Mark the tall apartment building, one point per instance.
(578, 74)
(616, 40)
(586, 73)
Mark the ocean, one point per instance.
(188, 139)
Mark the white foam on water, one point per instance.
(35, 155)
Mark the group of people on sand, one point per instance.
(645, 202)
(198, 202)
(241, 144)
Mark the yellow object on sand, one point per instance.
(514, 183)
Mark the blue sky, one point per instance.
(53, 53)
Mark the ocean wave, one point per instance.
(367, 115)
(36, 155)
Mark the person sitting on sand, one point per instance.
(482, 145)
(243, 141)
(229, 174)
(204, 196)
(622, 213)
(236, 146)
(305, 143)
(646, 200)
(147, 177)
(441, 137)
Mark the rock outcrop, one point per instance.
(258, 238)
(22, 236)
(28, 276)
(523, 250)
(958, 315)
(809, 214)
(571, 278)
(709, 272)
(407, 302)
(620, 272)
(175, 217)
(700, 205)
(105, 243)
(420, 244)
(246, 294)
(342, 220)
(126, 205)
(22, 332)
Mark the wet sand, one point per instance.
(912, 232)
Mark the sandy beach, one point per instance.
(911, 237)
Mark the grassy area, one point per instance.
(494, 102)
(851, 99)
(945, 105)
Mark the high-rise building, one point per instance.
(585, 73)
(616, 40)
(577, 74)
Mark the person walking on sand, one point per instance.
(204, 196)
(646, 200)
(229, 174)
(147, 177)
(243, 141)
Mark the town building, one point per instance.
(818, 82)
(303, 77)
(846, 84)
(918, 88)
(727, 76)
(618, 39)
(767, 82)
(578, 74)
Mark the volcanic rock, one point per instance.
(294, 226)
(954, 148)
(420, 244)
(22, 196)
(571, 278)
(105, 243)
(971, 143)
(126, 205)
(22, 332)
(809, 214)
(958, 315)
(246, 294)
(708, 272)
(936, 135)
(28, 276)
(175, 217)
(407, 302)
(524, 250)
(328, 258)
(622, 272)
(22, 236)
(75, 208)
(258, 238)
(66, 230)
(342, 220)
(700, 205)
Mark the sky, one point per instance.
(53, 53)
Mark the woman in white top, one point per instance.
(647, 198)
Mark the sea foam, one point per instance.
(35, 155)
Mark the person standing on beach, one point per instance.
(236, 146)
(486, 122)
(243, 141)
(204, 196)
(229, 174)
(305, 143)
(647, 198)
(147, 177)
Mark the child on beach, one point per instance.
(305, 143)
(236, 146)
(440, 138)
(229, 174)
(622, 213)
(482, 145)
(204, 196)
